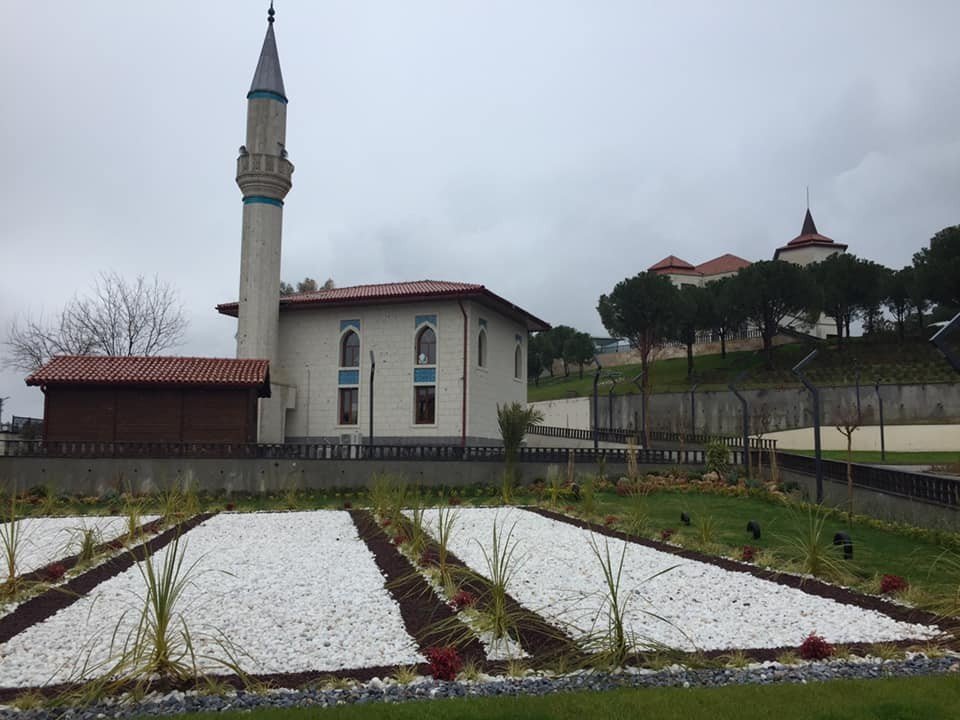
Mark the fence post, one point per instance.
(596, 419)
(815, 393)
(883, 444)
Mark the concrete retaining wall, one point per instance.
(771, 410)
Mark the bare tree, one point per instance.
(118, 317)
(847, 424)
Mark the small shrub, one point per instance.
(462, 599)
(53, 572)
(454, 500)
(428, 558)
(610, 520)
(386, 522)
(230, 507)
(815, 648)
(347, 505)
(666, 534)
(445, 662)
(399, 539)
(748, 553)
(890, 584)
(718, 457)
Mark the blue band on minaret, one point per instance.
(262, 200)
(266, 95)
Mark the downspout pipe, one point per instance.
(463, 403)
(373, 369)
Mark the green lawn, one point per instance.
(893, 458)
(924, 698)
(930, 562)
(916, 361)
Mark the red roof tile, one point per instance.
(724, 264)
(400, 292)
(672, 265)
(111, 370)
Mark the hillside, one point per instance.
(915, 361)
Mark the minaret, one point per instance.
(264, 176)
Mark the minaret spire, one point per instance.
(267, 78)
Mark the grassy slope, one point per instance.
(926, 698)
(914, 362)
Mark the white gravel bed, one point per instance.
(46, 539)
(701, 605)
(295, 591)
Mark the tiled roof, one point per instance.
(168, 371)
(724, 264)
(399, 293)
(672, 265)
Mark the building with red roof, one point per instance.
(89, 398)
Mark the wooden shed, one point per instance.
(151, 399)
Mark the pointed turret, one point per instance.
(267, 78)
(809, 227)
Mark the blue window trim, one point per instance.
(424, 320)
(266, 95)
(262, 200)
(519, 339)
(424, 376)
(483, 323)
(344, 324)
(348, 377)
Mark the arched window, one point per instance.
(482, 349)
(518, 362)
(426, 347)
(350, 350)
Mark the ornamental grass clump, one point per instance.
(11, 539)
(610, 640)
(811, 550)
(87, 541)
(162, 645)
(513, 420)
(501, 561)
(446, 521)
(636, 521)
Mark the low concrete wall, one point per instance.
(897, 438)
(877, 504)
(98, 476)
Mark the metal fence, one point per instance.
(934, 489)
(315, 451)
(18, 424)
(623, 435)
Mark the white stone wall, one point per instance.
(496, 383)
(309, 359)
(807, 254)
(566, 413)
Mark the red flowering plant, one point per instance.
(748, 553)
(454, 500)
(890, 584)
(445, 662)
(230, 507)
(428, 557)
(347, 505)
(462, 599)
(53, 572)
(399, 539)
(611, 520)
(666, 534)
(815, 648)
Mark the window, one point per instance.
(424, 402)
(426, 347)
(349, 400)
(518, 362)
(482, 349)
(350, 350)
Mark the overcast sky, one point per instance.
(544, 149)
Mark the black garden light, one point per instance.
(684, 518)
(841, 538)
(754, 527)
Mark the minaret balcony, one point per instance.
(261, 174)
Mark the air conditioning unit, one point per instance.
(353, 438)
